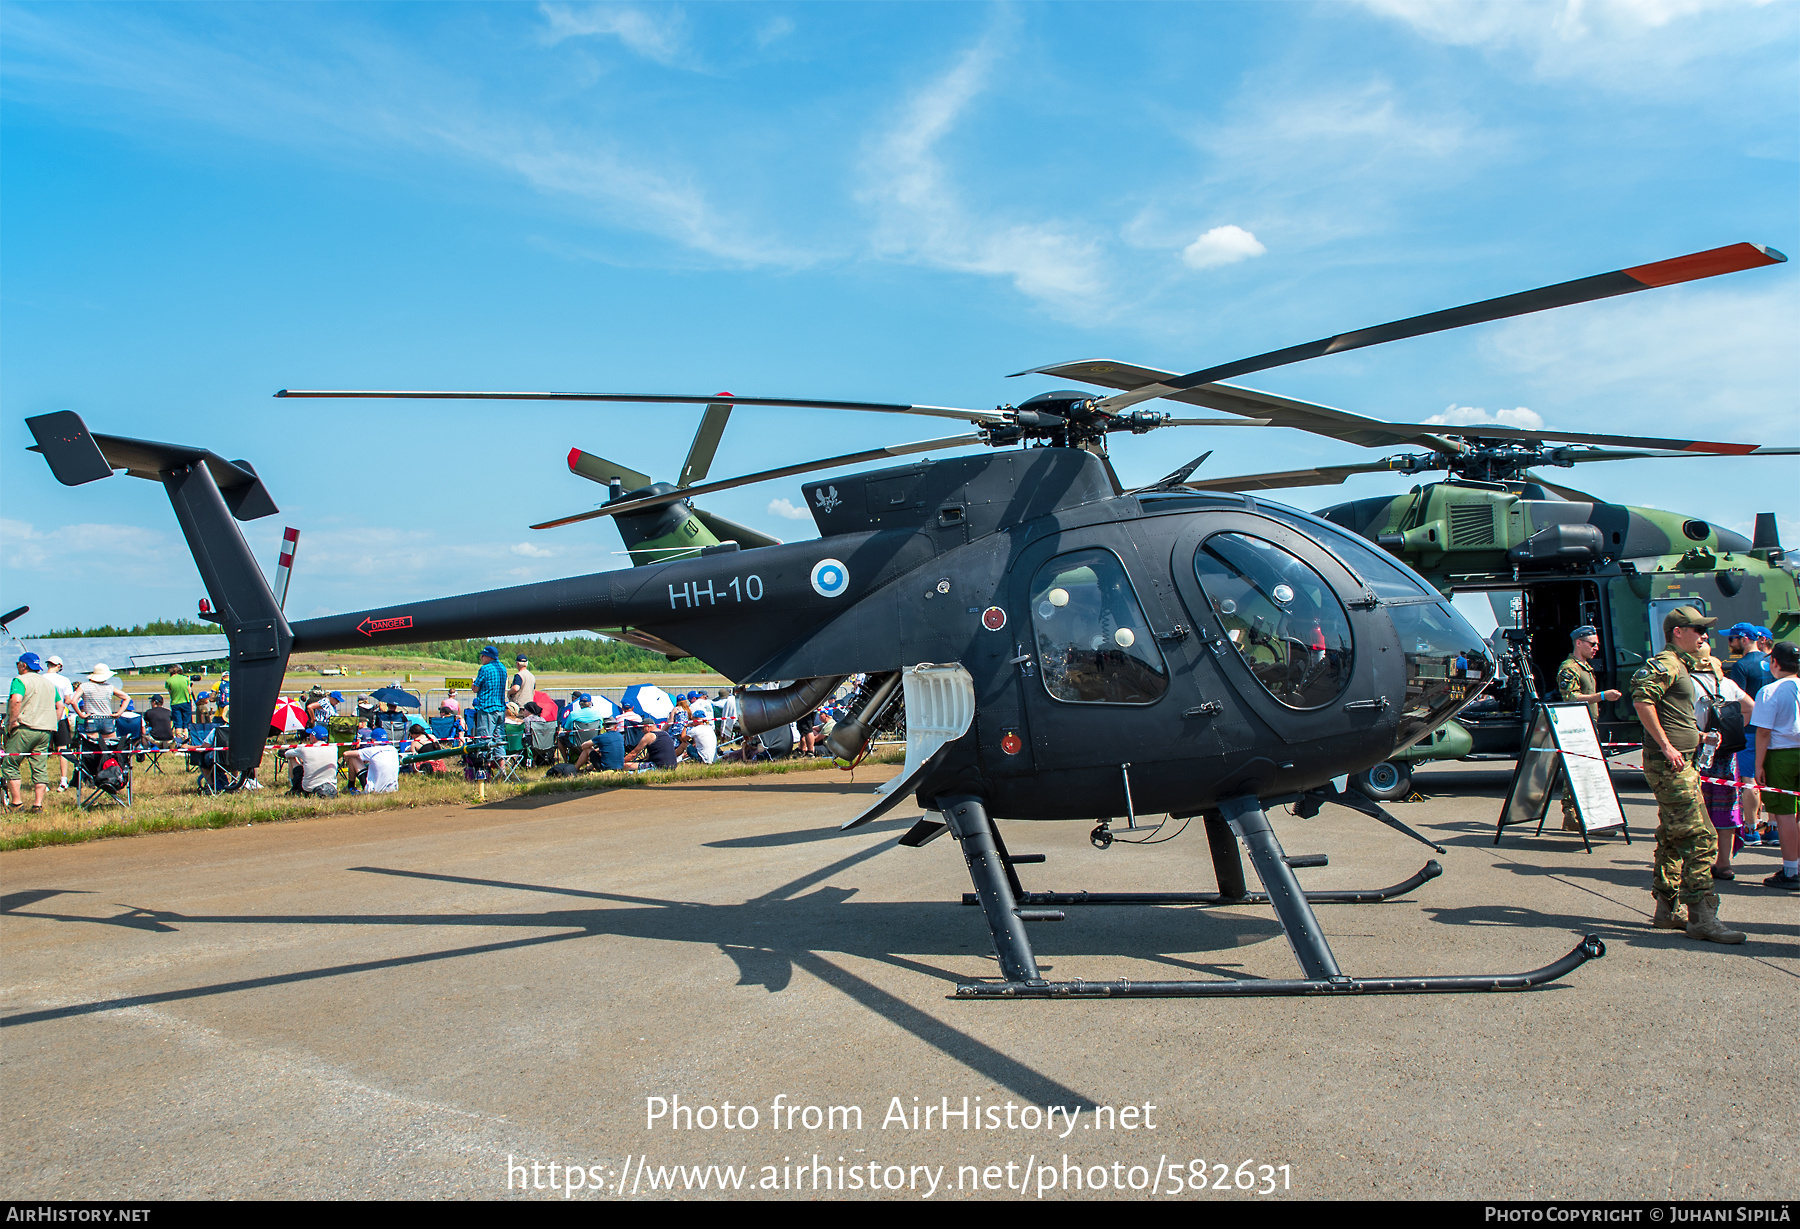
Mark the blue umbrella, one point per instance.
(393, 695)
(649, 700)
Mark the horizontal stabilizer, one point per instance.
(730, 531)
(77, 456)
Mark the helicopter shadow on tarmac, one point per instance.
(824, 915)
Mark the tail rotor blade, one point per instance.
(599, 469)
(706, 443)
(284, 565)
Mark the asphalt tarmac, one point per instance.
(447, 1002)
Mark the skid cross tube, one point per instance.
(1367, 896)
(1004, 902)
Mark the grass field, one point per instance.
(170, 801)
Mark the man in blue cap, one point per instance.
(490, 702)
(379, 760)
(33, 711)
(1750, 671)
(315, 764)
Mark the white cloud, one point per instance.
(774, 30)
(1629, 45)
(1473, 416)
(128, 553)
(1317, 164)
(658, 36)
(920, 216)
(783, 507)
(382, 98)
(1222, 245)
(1694, 362)
(531, 550)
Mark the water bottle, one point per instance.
(1704, 757)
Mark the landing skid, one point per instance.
(1008, 907)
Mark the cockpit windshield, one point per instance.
(1283, 619)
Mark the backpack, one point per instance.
(110, 776)
(1722, 715)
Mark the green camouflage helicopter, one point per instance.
(1548, 557)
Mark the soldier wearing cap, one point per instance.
(1687, 844)
(1575, 681)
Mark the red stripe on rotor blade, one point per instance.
(1729, 450)
(1704, 264)
(574, 458)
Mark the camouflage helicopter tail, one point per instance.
(207, 493)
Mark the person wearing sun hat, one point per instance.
(95, 698)
(1687, 844)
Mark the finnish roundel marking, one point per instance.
(993, 618)
(830, 578)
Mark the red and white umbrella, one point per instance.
(287, 717)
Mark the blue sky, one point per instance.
(201, 205)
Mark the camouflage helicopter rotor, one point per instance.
(1064, 649)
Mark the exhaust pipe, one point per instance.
(759, 711)
(849, 736)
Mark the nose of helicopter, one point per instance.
(1447, 665)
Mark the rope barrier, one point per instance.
(1735, 783)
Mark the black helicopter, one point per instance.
(1065, 649)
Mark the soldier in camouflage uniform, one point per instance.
(1686, 841)
(1575, 681)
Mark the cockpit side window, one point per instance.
(1285, 622)
(1093, 642)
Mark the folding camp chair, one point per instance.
(514, 759)
(102, 771)
(206, 758)
(446, 729)
(540, 742)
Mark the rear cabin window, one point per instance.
(1283, 619)
(1093, 642)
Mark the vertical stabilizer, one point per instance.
(208, 494)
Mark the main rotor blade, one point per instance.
(854, 458)
(1338, 424)
(797, 403)
(706, 443)
(1567, 492)
(599, 469)
(1324, 475)
(1731, 259)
